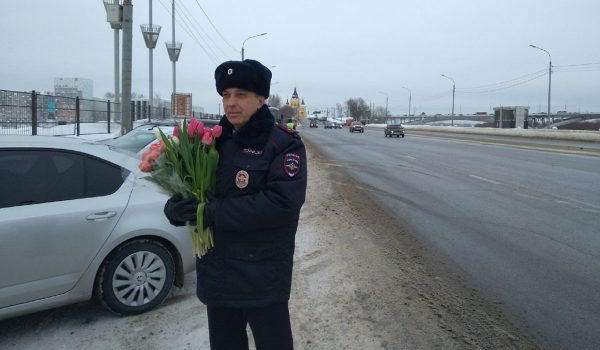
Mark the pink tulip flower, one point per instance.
(146, 166)
(217, 131)
(191, 128)
(207, 138)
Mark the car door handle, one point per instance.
(101, 216)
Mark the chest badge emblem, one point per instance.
(241, 179)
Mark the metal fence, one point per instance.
(33, 113)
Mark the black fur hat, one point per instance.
(249, 75)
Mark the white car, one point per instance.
(139, 139)
(78, 219)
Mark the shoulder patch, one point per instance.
(288, 131)
(291, 164)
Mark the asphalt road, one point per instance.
(520, 223)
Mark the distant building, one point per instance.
(297, 105)
(511, 117)
(74, 87)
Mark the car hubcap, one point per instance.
(139, 278)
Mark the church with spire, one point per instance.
(297, 105)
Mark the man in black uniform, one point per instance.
(261, 186)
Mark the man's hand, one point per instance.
(179, 210)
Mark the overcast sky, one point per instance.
(329, 50)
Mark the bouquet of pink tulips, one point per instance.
(187, 163)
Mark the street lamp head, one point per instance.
(114, 13)
(447, 77)
(539, 48)
(250, 37)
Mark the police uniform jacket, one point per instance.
(261, 186)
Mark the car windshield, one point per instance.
(133, 141)
(139, 138)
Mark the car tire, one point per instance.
(136, 277)
(402, 135)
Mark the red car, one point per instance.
(356, 127)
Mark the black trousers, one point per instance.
(270, 327)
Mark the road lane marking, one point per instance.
(484, 179)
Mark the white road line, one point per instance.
(484, 179)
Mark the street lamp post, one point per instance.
(386, 104)
(254, 36)
(174, 49)
(549, 75)
(114, 16)
(453, 91)
(150, 33)
(409, 98)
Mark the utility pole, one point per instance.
(386, 104)
(409, 98)
(453, 92)
(126, 117)
(549, 75)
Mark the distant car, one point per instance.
(313, 124)
(78, 219)
(336, 125)
(328, 125)
(356, 127)
(393, 130)
(139, 139)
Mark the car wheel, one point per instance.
(402, 135)
(136, 277)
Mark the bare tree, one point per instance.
(379, 115)
(357, 108)
(274, 101)
(286, 112)
(109, 95)
(339, 110)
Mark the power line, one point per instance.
(185, 28)
(526, 77)
(581, 64)
(194, 34)
(202, 29)
(491, 89)
(215, 28)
